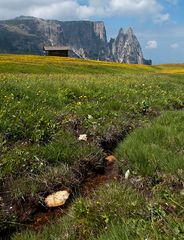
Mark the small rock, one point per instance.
(110, 159)
(57, 199)
(127, 174)
(83, 137)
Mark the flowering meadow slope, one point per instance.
(132, 111)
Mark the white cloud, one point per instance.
(141, 8)
(152, 44)
(64, 10)
(174, 45)
(162, 18)
(135, 6)
(73, 9)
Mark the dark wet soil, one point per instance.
(34, 215)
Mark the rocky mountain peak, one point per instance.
(121, 31)
(25, 18)
(130, 31)
(126, 48)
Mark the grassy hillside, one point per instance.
(134, 111)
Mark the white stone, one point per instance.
(57, 199)
(83, 137)
(127, 174)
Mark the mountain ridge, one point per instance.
(28, 35)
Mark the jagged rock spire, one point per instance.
(126, 48)
(130, 31)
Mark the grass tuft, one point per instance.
(156, 147)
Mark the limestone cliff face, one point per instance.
(88, 39)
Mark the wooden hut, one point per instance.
(62, 51)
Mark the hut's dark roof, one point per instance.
(56, 48)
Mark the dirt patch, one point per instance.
(110, 141)
(111, 172)
(42, 218)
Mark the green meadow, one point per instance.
(133, 112)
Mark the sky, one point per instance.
(158, 24)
